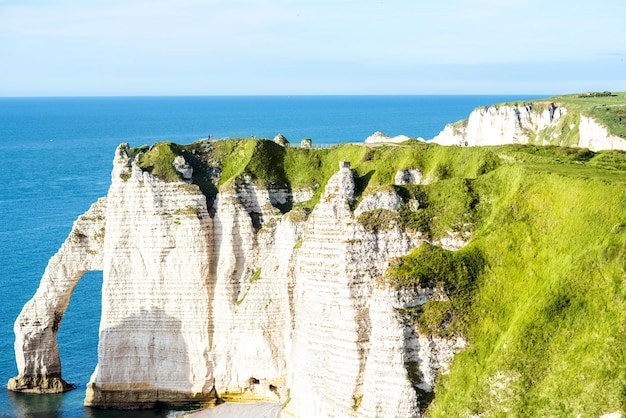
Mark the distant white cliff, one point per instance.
(596, 137)
(237, 299)
(535, 123)
(380, 138)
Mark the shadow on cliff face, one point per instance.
(262, 164)
(144, 363)
(360, 183)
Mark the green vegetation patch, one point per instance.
(224, 163)
(605, 107)
(442, 207)
(439, 163)
(188, 210)
(141, 149)
(298, 214)
(546, 320)
(548, 154)
(255, 276)
(610, 160)
(379, 220)
(539, 293)
(613, 117)
(454, 273)
(159, 160)
(265, 166)
(596, 94)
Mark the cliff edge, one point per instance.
(350, 281)
(223, 287)
(583, 121)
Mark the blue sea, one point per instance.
(56, 161)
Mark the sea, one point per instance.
(56, 160)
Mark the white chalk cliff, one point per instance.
(36, 350)
(379, 137)
(597, 137)
(236, 299)
(535, 123)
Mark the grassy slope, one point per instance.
(609, 111)
(540, 293)
(548, 316)
(271, 165)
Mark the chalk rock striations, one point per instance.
(535, 123)
(239, 299)
(332, 293)
(36, 350)
(498, 125)
(156, 292)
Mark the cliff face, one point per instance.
(539, 123)
(596, 137)
(155, 295)
(352, 302)
(237, 298)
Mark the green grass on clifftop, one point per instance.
(158, 160)
(540, 291)
(608, 110)
(549, 314)
(224, 163)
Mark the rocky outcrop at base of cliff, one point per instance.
(238, 299)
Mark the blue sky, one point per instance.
(241, 47)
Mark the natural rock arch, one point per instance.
(36, 349)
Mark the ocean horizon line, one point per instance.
(364, 95)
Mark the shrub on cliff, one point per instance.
(454, 273)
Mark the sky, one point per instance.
(294, 47)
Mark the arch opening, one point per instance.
(78, 334)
